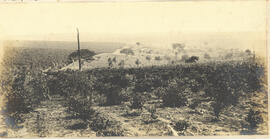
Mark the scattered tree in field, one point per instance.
(137, 62)
(114, 59)
(148, 58)
(85, 54)
(192, 59)
(121, 63)
(207, 56)
(127, 51)
(158, 58)
(110, 62)
(248, 52)
(176, 55)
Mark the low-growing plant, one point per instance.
(111, 132)
(174, 96)
(105, 127)
(137, 101)
(81, 108)
(254, 118)
(181, 125)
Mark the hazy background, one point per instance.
(240, 24)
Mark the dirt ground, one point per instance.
(51, 119)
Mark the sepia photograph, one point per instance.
(128, 69)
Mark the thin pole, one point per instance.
(79, 51)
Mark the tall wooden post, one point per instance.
(79, 51)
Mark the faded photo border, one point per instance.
(10, 11)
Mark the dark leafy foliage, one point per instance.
(105, 127)
(223, 83)
(85, 54)
(192, 59)
(181, 125)
(174, 96)
(137, 101)
(81, 108)
(254, 119)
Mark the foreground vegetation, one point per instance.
(211, 91)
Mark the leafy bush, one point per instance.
(137, 101)
(137, 62)
(248, 52)
(225, 83)
(181, 125)
(174, 96)
(254, 118)
(159, 92)
(113, 87)
(80, 107)
(24, 92)
(105, 127)
(142, 86)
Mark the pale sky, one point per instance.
(160, 22)
(133, 18)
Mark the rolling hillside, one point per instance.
(143, 56)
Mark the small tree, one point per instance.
(137, 62)
(207, 56)
(158, 58)
(121, 63)
(138, 101)
(174, 95)
(114, 59)
(248, 52)
(148, 58)
(110, 62)
(85, 54)
(176, 55)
